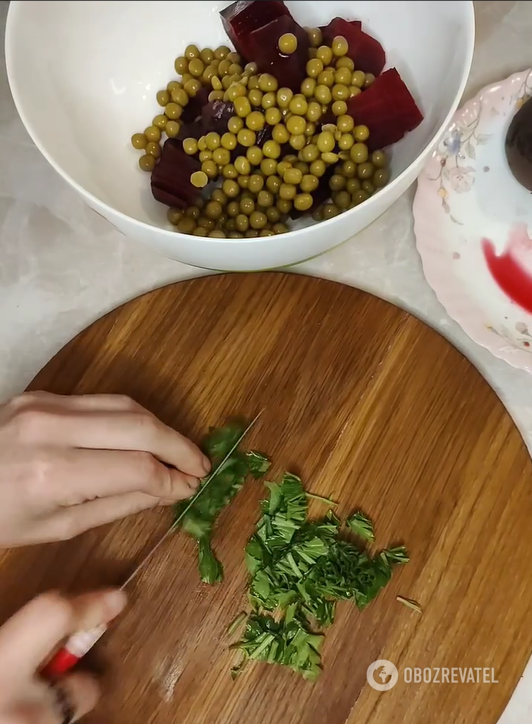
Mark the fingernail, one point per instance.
(115, 602)
(206, 463)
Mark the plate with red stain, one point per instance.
(473, 225)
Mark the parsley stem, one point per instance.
(262, 647)
(410, 603)
(236, 622)
(328, 501)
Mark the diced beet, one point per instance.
(190, 130)
(192, 111)
(366, 53)
(289, 70)
(323, 192)
(354, 23)
(242, 18)
(215, 116)
(319, 196)
(170, 180)
(168, 199)
(202, 96)
(264, 135)
(212, 117)
(387, 108)
(328, 117)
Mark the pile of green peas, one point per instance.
(253, 190)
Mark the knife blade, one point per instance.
(80, 643)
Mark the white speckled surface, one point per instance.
(62, 266)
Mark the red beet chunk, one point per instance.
(190, 130)
(192, 111)
(168, 199)
(387, 109)
(242, 18)
(328, 117)
(354, 23)
(215, 116)
(264, 135)
(319, 197)
(289, 70)
(170, 180)
(366, 53)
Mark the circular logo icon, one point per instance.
(382, 675)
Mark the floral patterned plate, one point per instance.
(472, 222)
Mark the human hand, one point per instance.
(68, 464)
(29, 638)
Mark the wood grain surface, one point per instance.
(371, 407)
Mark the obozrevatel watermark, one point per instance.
(383, 675)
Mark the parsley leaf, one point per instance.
(397, 555)
(362, 526)
(288, 642)
(258, 464)
(210, 568)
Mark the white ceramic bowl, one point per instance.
(84, 77)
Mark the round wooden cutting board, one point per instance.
(370, 407)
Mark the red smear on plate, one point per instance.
(507, 271)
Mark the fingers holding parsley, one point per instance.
(71, 463)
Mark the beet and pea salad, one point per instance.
(293, 122)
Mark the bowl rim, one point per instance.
(15, 6)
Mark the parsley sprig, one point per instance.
(229, 479)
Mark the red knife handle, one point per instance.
(71, 652)
(59, 664)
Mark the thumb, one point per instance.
(32, 634)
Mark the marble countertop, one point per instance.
(62, 266)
